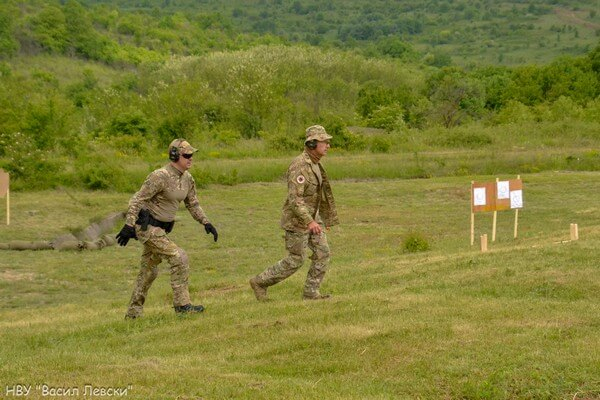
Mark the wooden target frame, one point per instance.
(5, 191)
(496, 196)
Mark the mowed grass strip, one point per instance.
(520, 321)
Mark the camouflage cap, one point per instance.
(183, 146)
(316, 132)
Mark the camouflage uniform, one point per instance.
(161, 194)
(309, 199)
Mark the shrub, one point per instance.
(388, 117)
(415, 242)
(132, 123)
(514, 112)
(348, 141)
(32, 168)
(380, 144)
(98, 173)
(282, 141)
(227, 137)
(565, 108)
(342, 137)
(248, 124)
(173, 128)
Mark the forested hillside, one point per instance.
(436, 32)
(85, 86)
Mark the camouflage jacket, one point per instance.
(161, 194)
(309, 196)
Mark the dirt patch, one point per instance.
(12, 276)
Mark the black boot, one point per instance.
(188, 308)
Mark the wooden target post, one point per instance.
(496, 196)
(5, 191)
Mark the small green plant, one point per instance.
(415, 242)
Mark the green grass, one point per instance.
(518, 322)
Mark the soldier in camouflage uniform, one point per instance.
(309, 208)
(150, 218)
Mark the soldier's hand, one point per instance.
(209, 228)
(315, 228)
(126, 233)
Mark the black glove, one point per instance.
(209, 228)
(127, 232)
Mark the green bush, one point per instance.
(513, 112)
(96, 172)
(389, 117)
(173, 128)
(249, 125)
(9, 46)
(348, 141)
(30, 168)
(130, 123)
(46, 122)
(227, 137)
(283, 142)
(415, 242)
(380, 144)
(342, 137)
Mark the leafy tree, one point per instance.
(8, 44)
(495, 81)
(83, 38)
(526, 85)
(455, 97)
(129, 123)
(388, 117)
(50, 29)
(572, 78)
(371, 97)
(395, 47)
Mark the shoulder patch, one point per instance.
(300, 179)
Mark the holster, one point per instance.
(145, 219)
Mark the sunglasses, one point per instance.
(187, 156)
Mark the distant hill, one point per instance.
(468, 31)
(465, 32)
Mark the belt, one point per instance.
(145, 219)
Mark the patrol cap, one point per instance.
(317, 132)
(183, 146)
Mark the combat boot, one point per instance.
(259, 291)
(189, 309)
(317, 296)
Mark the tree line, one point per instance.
(87, 109)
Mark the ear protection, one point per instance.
(174, 151)
(311, 144)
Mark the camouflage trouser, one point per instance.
(296, 244)
(158, 247)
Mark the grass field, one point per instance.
(518, 322)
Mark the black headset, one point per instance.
(174, 151)
(311, 144)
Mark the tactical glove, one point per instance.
(209, 228)
(127, 232)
